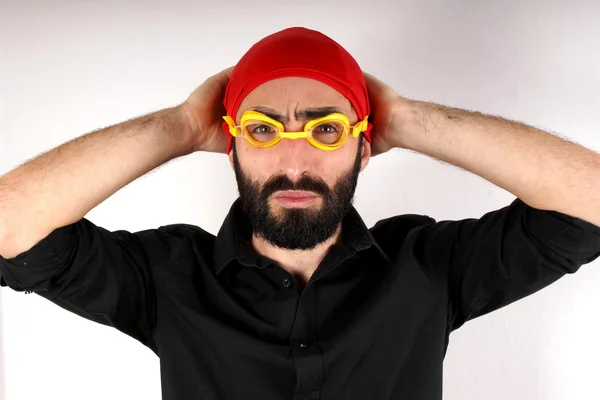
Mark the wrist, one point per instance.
(190, 127)
(403, 116)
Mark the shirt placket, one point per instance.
(305, 349)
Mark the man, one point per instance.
(295, 297)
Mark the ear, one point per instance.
(365, 154)
(230, 155)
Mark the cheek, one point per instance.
(331, 168)
(247, 154)
(256, 164)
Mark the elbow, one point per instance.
(8, 244)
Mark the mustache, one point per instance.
(282, 182)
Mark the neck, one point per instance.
(300, 263)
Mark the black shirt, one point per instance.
(372, 323)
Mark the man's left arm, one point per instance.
(544, 171)
(550, 230)
(513, 252)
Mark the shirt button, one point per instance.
(286, 283)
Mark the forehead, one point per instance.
(295, 93)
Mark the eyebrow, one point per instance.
(301, 115)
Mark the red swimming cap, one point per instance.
(297, 52)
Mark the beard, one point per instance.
(297, 228)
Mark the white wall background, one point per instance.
(70, 67)
(3, 167)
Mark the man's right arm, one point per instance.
(62, 185)
(47, 246)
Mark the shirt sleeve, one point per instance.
(505, 255)
(100, 275)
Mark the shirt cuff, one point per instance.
(41, 262)
(575, 238)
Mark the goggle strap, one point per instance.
(229, 126)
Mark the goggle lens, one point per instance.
(325, 132)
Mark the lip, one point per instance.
(295, 198)
(293, 194)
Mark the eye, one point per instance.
(327, 128)
(328, 132)
(258, 129)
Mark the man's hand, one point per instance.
(204, 110)
(386, 107)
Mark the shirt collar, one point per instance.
(234, 240)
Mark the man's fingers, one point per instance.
(227, 72)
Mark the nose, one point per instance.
(296, 157)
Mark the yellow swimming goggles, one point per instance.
(327, 133)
